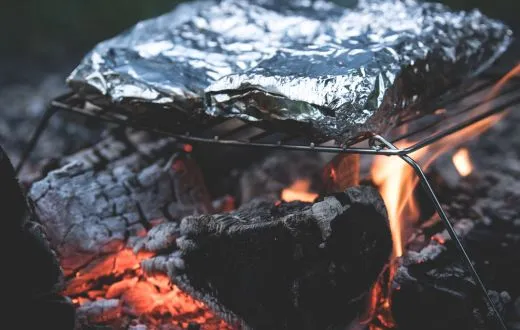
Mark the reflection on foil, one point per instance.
(330, 71)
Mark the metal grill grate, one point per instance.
(457, 110)
(466, 106)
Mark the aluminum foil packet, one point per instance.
(314, 66)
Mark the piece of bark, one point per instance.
(31, 275)
(115, 190)
(288, 266)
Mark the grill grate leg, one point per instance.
(42, 125)
(438, 208)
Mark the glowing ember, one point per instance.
(187, 148)
(118, 280)
(462, 162)
(299, 191)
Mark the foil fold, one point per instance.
(311, 66)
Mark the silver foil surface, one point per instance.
(329, 71)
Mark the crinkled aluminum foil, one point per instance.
(335, 72)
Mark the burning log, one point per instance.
(29, 253)
(444, 294)
(102, 200)
(287, 266)
(431, 276)
(114, 190)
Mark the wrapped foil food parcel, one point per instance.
(336, 72)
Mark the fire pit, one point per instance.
(114, 211)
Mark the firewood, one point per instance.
(431, 277)
(287, 266)
(104, 195)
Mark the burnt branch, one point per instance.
(294, 266)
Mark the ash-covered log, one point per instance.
(31, 275)
(287, 266)
(102, 196)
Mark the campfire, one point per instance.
(237, 201)
(124, 289)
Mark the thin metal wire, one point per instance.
(309, 147)
(74, 103)
(42, 125)
(463, 111)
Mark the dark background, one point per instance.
(54, 34)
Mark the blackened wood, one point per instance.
(288, 266)
(431, 275)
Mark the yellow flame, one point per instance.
(462, 162)
(396, 180)
(299, 191)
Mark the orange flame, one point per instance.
(462, 162)
(397, 181)
(299, 191)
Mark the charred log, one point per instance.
(288, 266)
(484, 210)
(115, 190)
